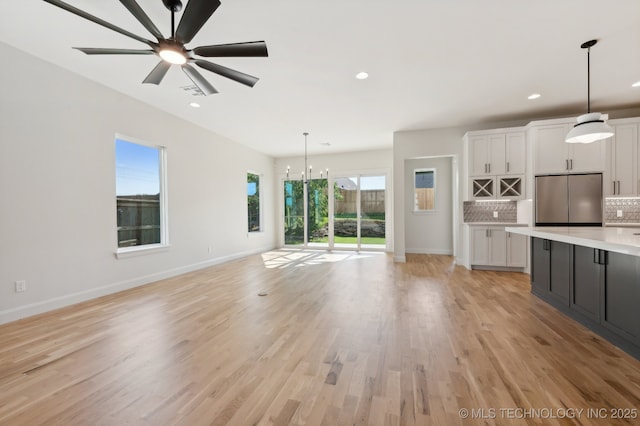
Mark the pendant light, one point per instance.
(304, 176)
(591, 127)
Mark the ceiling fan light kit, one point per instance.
(172, 50)
(591, 126)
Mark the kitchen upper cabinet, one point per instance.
(500, 153)
(493, 246)
(551, 154)
(507, 187)
(515, 153)
(622, 175)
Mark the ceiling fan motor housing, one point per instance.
(173, 5)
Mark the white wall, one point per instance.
(57, 189)
(429, 232)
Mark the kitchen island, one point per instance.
(592, 274)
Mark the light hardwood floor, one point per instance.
(341, 338)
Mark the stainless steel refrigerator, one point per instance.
(569, 200)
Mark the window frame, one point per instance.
(416, 210)
(260, 202)
(163, 245)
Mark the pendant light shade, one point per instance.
(590, 127)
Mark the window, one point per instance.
(253, 202)
(424, 189)
(140, 197)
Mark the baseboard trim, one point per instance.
(20, 312)
(447, 252)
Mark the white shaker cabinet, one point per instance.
(515, 153)
(501, 153)
(493, 246)
(551, 154)
(622, 175)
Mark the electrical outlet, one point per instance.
(495, 215)
(619, 213)
(21, 286)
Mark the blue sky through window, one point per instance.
(137, 169)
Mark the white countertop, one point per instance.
(616, 239)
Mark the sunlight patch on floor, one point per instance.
(288, 258)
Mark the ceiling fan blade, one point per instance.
(98, 21)
(198, 80)
(157, 74)
(142, 17)
(194, 17)
(240, 77)
(102, 51)
(248, 49)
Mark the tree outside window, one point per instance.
(253, 202)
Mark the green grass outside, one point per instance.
(351, 240)
(375, 216)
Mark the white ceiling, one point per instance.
(432, 63)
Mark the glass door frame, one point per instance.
(331, 209)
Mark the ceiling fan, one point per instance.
(172, 50)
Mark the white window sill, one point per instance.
(127, 252)
(254, 234)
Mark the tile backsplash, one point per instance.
(482, 211)
(629, 206)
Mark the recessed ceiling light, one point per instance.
(194, 105)
(636, 84)
(362, 75)
(534, 96)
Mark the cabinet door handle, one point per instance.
(489, 167)
(614, 187)
(571, 164)
(507, 166)
(602, 257)
(619, 188)
(596, 256)
(566, 164)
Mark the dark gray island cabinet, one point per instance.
(594, 281)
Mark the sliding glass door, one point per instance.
(318, 213)
(359, 212)
(306, 223)
(349, 214)
(372, 211)
(294, 212)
